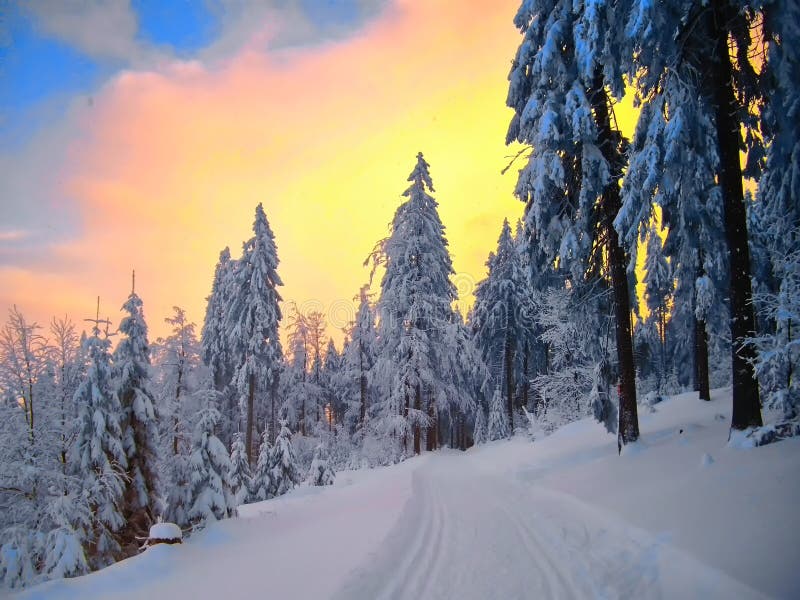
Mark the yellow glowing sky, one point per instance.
(167, 166)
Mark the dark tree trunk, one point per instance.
(418, 408)
(608, 141)
(405, 414)
(362, 413)
(746, 404)
(701, 359)
(430, 437)
(273, 393)
(175, 422)
(509, 361)
(251, 392)
(526, 378)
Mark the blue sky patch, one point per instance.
(185, 25)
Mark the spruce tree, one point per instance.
(216, 345)
(561, 83)
(241, 479)
(283, 469)
(210, 493)
(261, 482)
(480, 432)
(358, 359)
(497, 426)
(502, 318)
(687, 46)
(139, 426)
(253, 321)
(658, 289)
(417, 362)
(99, 452)
(320, 473)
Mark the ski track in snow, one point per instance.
(467, 533)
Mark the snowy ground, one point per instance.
(681, 515)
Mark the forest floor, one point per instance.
(682, 514)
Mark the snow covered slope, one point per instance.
(681, 515)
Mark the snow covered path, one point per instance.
(468, 533)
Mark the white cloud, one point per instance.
(102, 29)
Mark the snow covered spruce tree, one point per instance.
(417, 365)
(778, 202)
(658, 290)
(99, 456)
(216, 343)
(358, 358)
(300, 392)
(210, 494)
(253, 321)
(502, 319)
(320, 473)
(560, 85)
(241, 479)
(178, 377)
(330, 376)
(688, 46)
(139, 427)
(497, 426)
(261, 482)
(480, 432)
(673, 165)
(283, 471)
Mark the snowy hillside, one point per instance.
(695, 518)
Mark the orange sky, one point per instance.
(166, 167)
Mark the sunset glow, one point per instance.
(161, 168)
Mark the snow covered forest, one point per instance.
(105, 432)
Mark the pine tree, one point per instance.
(253, 323)
(139, 426)
(358, 359)
(179, 380)
(241, 479)
(687, 47)
(658, 289)
(332, 387)
(778, 203)
(501, 318)
(302, 394)
(560, 86)
(217, 353)
(283, 470)
(480, 433)
(211, 496)
(497, 427)
(320, 473)
(417, 363)
(261, 483)
(99, 452)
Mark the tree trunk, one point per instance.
(417, 407)
(430, 437)
(272, 423)
(509, 359)
(405, 414)
(608, 141)
(525, 381)
(251, 392)
(701, 359)
(746, 404)
(362, 413)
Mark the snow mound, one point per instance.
(165, 531)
